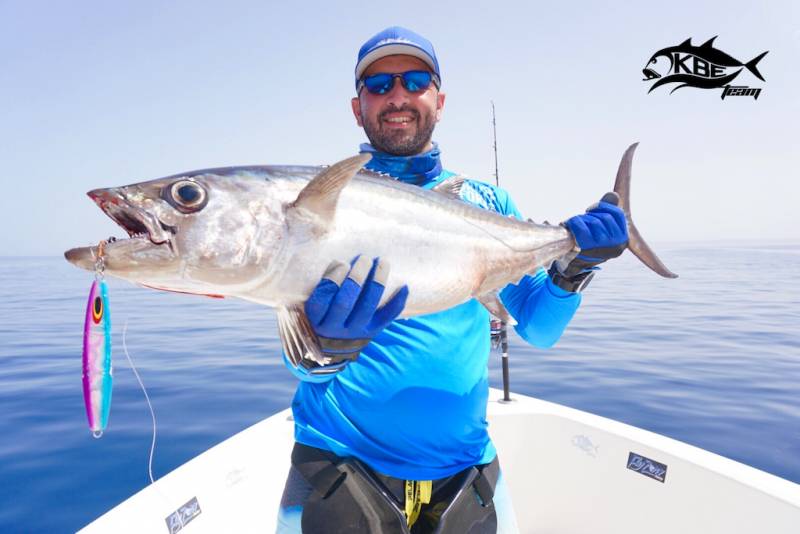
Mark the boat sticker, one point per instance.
(647, 467)
(234, 477)
(183, 515)
(585, 444)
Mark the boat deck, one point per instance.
(568, 472)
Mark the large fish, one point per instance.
(267, 234)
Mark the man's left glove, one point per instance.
(601, 234)
(343, 308)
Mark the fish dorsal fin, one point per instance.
(709, 43)
(687, 42)
(297, 337)
(491, 301)
(450, 187)
(320, 195)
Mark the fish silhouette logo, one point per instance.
(704, 67)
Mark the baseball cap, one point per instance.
(395, 41)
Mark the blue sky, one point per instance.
(109, 93)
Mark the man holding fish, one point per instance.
(391, 433)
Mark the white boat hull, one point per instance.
(567, 471)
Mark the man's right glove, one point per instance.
(601, 233)
(343, 308)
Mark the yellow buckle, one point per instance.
(418, 492)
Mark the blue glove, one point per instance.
(343, 308)
(601, 234)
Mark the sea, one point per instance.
(711, 358)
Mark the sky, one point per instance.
(98, 94)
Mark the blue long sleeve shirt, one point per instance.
(413, 406)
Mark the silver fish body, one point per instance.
(445, 250)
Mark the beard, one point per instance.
(399, 142)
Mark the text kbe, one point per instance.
(700, 67)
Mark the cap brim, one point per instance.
(394, 49)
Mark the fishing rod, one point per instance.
(494, 135)
(499, 328)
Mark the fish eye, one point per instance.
(186, 195)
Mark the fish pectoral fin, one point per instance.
(297, 337)
(320, 196)
(451, 187)
(491, 301)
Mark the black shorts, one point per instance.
(343, 495)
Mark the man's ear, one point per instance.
(355, 103)
(439, 106)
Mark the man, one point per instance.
(396, 440)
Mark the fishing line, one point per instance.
(147, 398)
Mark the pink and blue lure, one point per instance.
(97, 373)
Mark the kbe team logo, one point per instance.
(704, 67)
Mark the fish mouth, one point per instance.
(138, 223)
(650, 74)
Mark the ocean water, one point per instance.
(712, 359)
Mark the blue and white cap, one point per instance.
(396, 41)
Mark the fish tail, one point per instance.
(751, 66)
(636, 243)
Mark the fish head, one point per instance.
(199, 232)
(658, 65)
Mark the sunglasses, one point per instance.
(415, 81)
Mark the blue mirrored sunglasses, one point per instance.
(414, 81)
